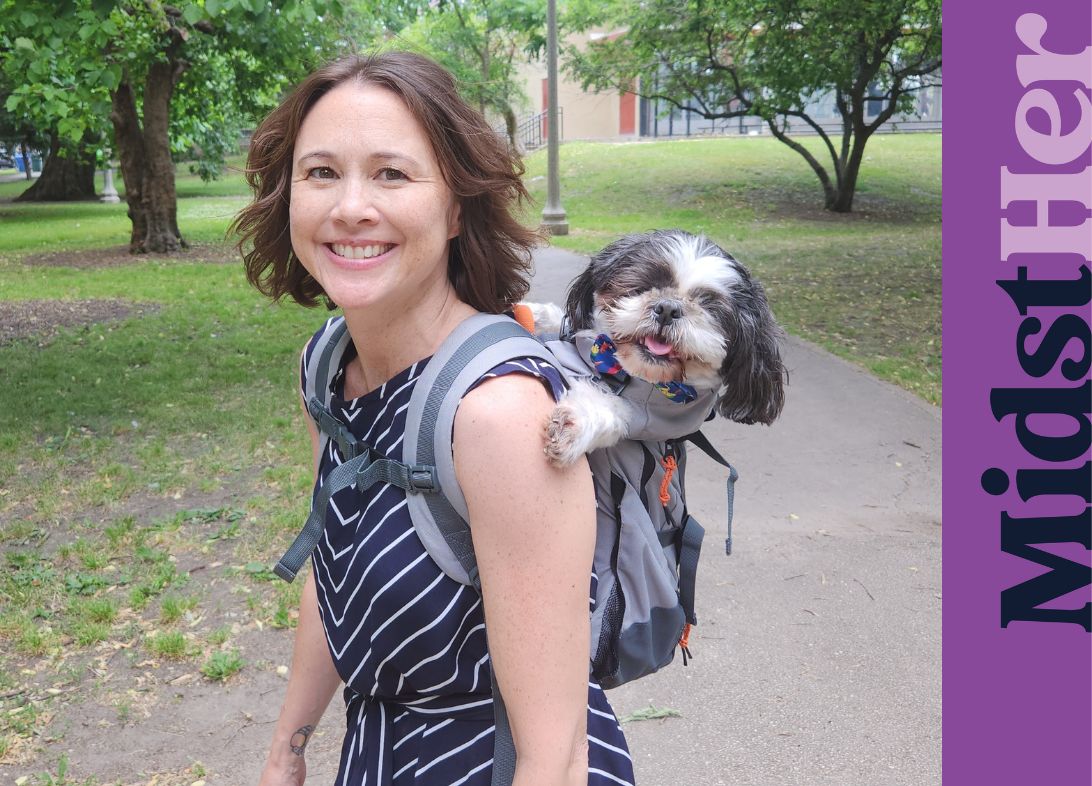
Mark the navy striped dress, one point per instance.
(408, 641)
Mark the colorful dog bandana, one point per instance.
(604, 357)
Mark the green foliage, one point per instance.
(482, 43)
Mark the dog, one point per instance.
(679, 312)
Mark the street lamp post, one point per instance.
(553, 215)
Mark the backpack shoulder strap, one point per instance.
(321, 365)
(477, 345)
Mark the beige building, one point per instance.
(584, 115)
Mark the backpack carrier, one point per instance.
(647, 543)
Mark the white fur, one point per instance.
(586, 419)
(695, 270)
(547, 316)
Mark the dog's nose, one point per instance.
(667, 311)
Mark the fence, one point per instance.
(531, 131)
(675, 126)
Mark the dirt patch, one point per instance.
(119, 255)
(43, 319)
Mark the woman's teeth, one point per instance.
(361, 252)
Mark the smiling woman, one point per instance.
(399, 202)
(365, 199)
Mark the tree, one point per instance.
(481, 42)
(770, 58)
(75, 64)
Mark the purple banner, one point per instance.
(1017, 401)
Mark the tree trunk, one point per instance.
(159, 200)
(843, 202)
(130, 144)
(25, 153)
(66, 176)
(145, 155)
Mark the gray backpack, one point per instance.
(647, 543)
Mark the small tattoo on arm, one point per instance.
(299, 740)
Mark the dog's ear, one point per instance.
(580, 305)
(753, 374)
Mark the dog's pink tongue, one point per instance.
(657, 347)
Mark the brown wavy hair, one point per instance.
(489, 262)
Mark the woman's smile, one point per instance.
(356, 256)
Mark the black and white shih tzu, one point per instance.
(676, 310)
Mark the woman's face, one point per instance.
(370, 213)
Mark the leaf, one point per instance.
(652, 712)
(212, 7)
(193, 13)
(24, 43)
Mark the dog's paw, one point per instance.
(564, 444)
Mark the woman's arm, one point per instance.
(311, 683)
(534, 535)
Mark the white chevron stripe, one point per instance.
(359, 583)
(479, 667)
(440, 710)
(474, 771)
(378, 418)
(337, 587)
(379, 440)
(416, 634)
(602, 714)
(451, 643)
(455, 675)
(382, 734)
(410, 764)
(608, 776)
(438, 726)
(453, 751)
(409, 736)
(602, 744)
(340, 517)
(390, 620)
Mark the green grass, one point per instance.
(222, 664)
(865, 285)
(204, 211)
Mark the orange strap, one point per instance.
(523, 314)
(669, 465)
(684, 639)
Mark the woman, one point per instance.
(397, 198)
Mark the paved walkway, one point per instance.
(817, 656)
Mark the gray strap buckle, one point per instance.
(423, 479)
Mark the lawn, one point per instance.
(151, 466)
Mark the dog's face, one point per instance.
(680, 308)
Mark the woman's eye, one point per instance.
(320, 172)
(391, 175)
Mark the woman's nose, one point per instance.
(356, 202)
